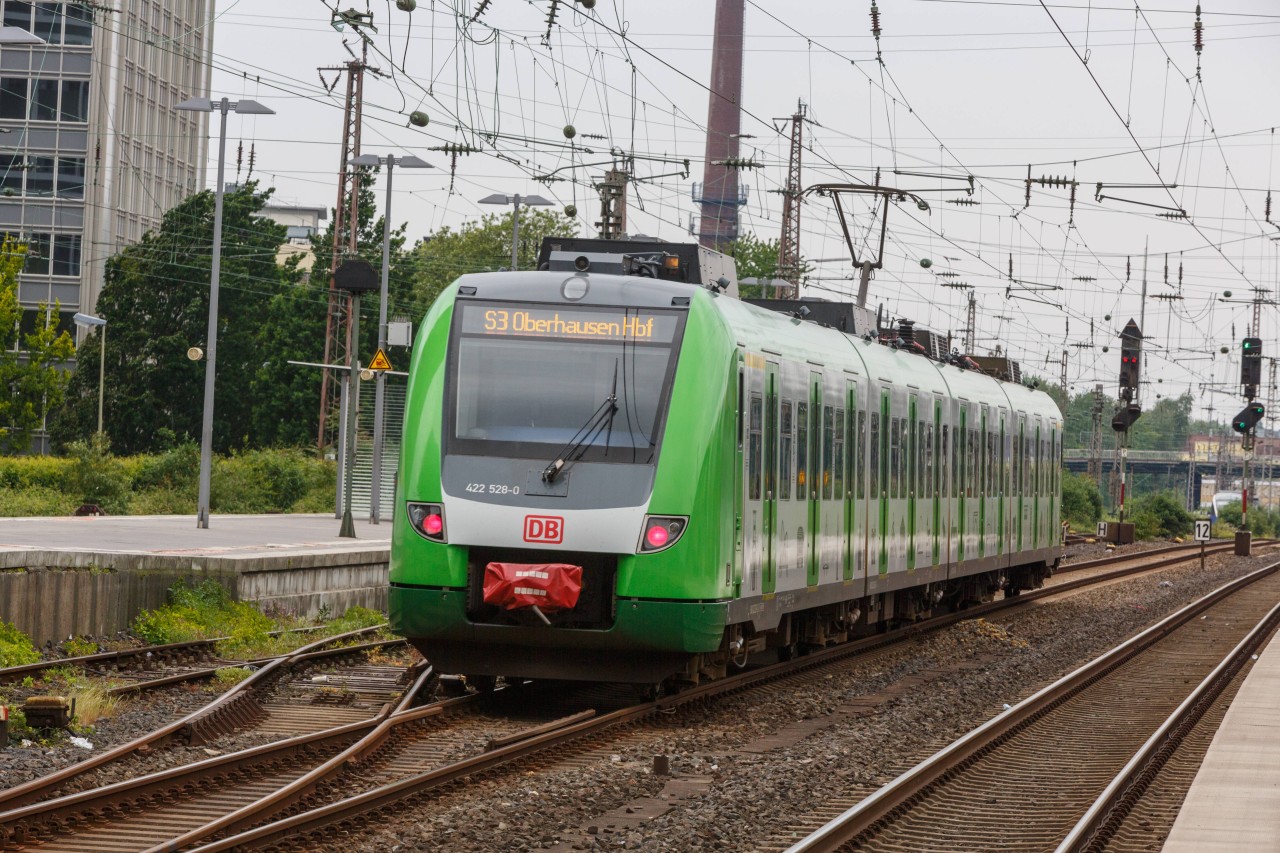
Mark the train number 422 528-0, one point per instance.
(492, 489)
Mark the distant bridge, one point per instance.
(1184, 465)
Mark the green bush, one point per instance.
(27, 472)
(176, 470)
(1081, 502)
(1160, 515)
(1262, 522)
(15, 647)
(35, 500)
(98, 477)
(268, 481)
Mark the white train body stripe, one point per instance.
(615, 530)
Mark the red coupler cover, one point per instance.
(550, 586)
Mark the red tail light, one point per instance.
(428, 521)
(661, 532)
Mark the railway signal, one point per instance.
(1130, 360)
(1248, 418)
(1251, 366)
(1125, 416)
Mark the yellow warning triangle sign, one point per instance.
(380, 362)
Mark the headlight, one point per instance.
(428, 521)
(661, 532)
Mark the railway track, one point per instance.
(571, 736)
(274, 699)
(1089, 745)
(385, 757)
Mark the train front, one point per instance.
(532, 538)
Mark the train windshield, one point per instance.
(529, 380)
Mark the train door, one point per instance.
(739, 483)
(1020, 477)
(753, 475)
(849, 501)
(814, 479)
(910, 447)
(880, 480)
(1001, 486)
(935, 468)
(770, 508)
(984, 489)
(1036, 448)
(962, 457)
(833, 496)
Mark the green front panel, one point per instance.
(413, 559)
(696, 471)
(640, 625)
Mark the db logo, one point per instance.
(544, 528)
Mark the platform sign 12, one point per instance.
(1202, 531)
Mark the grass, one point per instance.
(207, 610)
(229, 676)
(93, 703)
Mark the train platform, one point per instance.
(1234, 802)
(91, 576)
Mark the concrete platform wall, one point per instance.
(51, 595)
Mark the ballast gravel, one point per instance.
(722, 797)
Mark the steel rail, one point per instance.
(372, 800)
(193, 725)
(69, 809)
(10, 673)
(1099, 823)
(897, 794)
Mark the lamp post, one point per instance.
(391, 161)
(515, 201)
(88, 321)
(223, 106)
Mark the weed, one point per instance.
(76, 647)
(230, 676)
(15, 646)
(94, 703)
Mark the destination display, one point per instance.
(570, 324)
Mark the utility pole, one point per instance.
(1095, 437)
(789, 245)
(971, 325)
(613, 204)
(338, 345)
(1064, 378)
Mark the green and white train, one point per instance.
(683, 480)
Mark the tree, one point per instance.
(756, 258)
(479, 247)
(295, 325)
(33, 381)
(156, 298)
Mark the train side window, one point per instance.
(1026, 466)
(895, 455)
(930, 453)
(917, 462)
(828, 449)
(993, 469)
(753, 447)
(944, 465)
(905, 475)
(1054, 466)
(802, 450)
(741, 408)
(873, 455)
(1014, 459)
(815, 451)
(975, 468)
(837, 461)
(860, 451)
(784, 479)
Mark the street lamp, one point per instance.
(390, 161)
(89, 321)
(515, 201)
(224, 106)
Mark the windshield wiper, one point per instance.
(599, 420)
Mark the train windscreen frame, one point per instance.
(528, 379)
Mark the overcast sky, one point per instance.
(966, 88)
